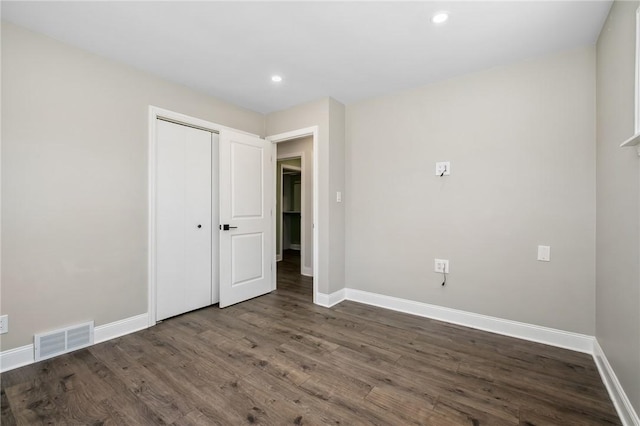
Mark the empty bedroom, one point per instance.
(308, 213)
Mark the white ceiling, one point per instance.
(347, 50)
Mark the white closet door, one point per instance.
(183, 219)
(246, 195)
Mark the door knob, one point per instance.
(226, 227)
(199, 226)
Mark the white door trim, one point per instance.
(156, 113)
(283, 137)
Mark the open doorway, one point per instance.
(289, 208)
(294, 215)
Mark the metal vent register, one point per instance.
(64, 340)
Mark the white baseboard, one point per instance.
(307, 271)
(24, 355)
(294, 247)
(18, 357)
(278, 257)
(620, 400)
(115, 329)
(534, 333)
(328, 300)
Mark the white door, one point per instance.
(246, 258)
(183, 219)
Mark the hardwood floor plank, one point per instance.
(142, 383)
(411, 406)
(462, 414)
(48, 398)
(349, 407)
(196, 418)
(523, 380)
(6, 414)
(562, 415)
(280, 360)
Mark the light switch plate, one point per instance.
(443, 167)
(544, 253)
(339, 197)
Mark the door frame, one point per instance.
(156, 113)
(284, 137)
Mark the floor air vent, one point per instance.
(64, 340)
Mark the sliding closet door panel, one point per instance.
(198, 219)
(183, 220)
(215, 220)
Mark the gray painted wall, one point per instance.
(322, 113)
(521, 141)
(74, 181)
(618, 201)
(337, 138)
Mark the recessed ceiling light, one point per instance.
(440, 17)
(276, 78)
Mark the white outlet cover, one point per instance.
(4, 324)
(437, 263)
(443, 166)
(544, 253)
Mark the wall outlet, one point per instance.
(4, 324)
(443, 168)
(441, 266)
(544, 253)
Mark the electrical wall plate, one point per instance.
(443, 168)
(4, 324)
(544, 253)
(441, 266)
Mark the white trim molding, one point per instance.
(105, 332)
(625, 410)
(635, 139)
(329, 300)
(17, 357)
(520, 330)
(24, 355)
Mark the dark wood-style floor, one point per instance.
(279, 359)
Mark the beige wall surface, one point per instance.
(618, 201)
(521, 142)
(319, 113)
(74, 181)
(302, 145)
(337, 221)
